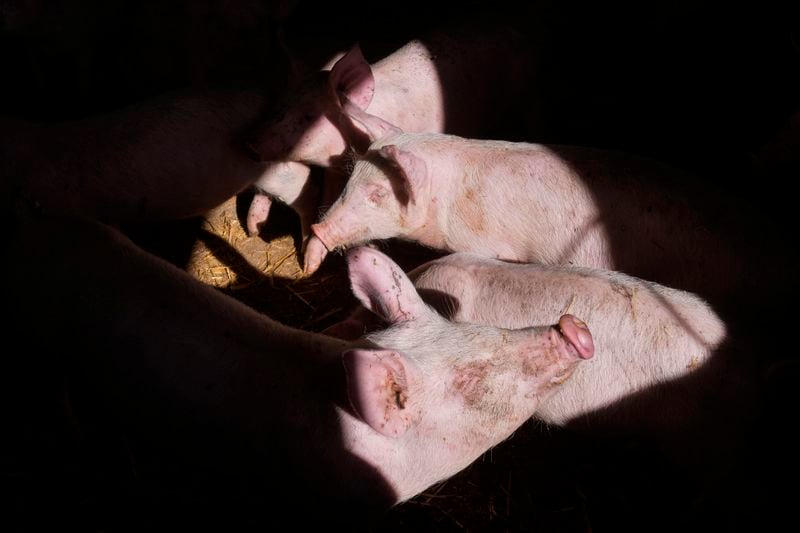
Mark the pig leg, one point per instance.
(291, 184)
(287, 182)
(258, 212)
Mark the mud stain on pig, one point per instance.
(474, 383)
(470, 383)
(469, 205)
(401, 314)
(626, 292)
(534, 367)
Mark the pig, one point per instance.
(668, 371)
(368, 422)
(174, 156)
(456, 82)
(648, 334)
(555, 205)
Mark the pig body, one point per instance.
(645, 335)
(535, 203)
(456, 83)
(173, 350)
(174, 156)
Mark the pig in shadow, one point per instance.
(220, 405)
(182, 433)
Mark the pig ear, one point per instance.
(352, 76)
(375, 127)
(382, 286)
(378, 387)
(412, 169)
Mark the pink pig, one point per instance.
(426, 396)
(646, 335)
(534, 203)
(667, 367)
(455, 84)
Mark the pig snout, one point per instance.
(575, 331)
(566, 345)
(326, 237)
(553, 358)
(314, 254)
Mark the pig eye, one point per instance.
(377, 195)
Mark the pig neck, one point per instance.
(393, 458)
(407, 90)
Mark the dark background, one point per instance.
(704, 85)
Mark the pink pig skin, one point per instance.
(667, 368)
(549, 204)
(647, 334)
(426, 396)
(462, 83)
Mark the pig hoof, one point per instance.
(577, 333)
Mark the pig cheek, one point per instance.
(469, 384)
(484, 397)
(372, 207)
(389, 218)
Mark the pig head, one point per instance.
(444, 392)
(388, 195)
(305, 133)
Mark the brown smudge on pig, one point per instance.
(473, 382)
(625, 292)
(469, 206)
